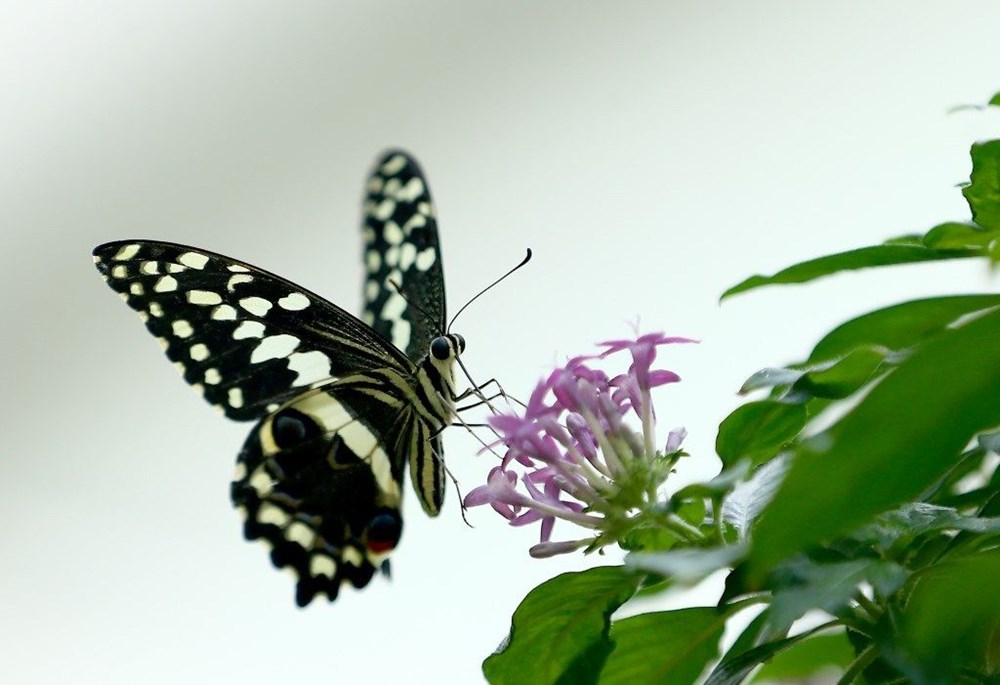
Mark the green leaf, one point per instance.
(995, 100)
(901, 438)
(759, 631)
(900, 527)
(758, 430)
(560, 630)
(748, 499)
(647, 538)
(808, 658)
(686, 565)
(768, 378)
(956, 236)
(664, 646)
(755, 646)
(952, 620)
(900, 326)
(714, 489)
(844, 376)
(983, 191)
(805, 584)
(861, 258)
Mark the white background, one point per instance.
(650, 154)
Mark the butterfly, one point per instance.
(343, 405)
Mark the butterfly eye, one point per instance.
(440, 348)
(290, 427)
(384, 531)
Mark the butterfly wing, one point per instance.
(402, 247)
(317, 482)
(248, 340)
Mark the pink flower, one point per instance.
(583, 460)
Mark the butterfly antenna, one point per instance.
(527, 258)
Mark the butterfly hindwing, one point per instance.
(319, 485)
(401, 246)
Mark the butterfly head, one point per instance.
(444, 350)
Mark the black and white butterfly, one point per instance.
(343, 405)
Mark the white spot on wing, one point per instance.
(236, 268)
(384, 209)
(274, 347)
(235, 398)
(136, 288)
(371, 290)
(330, 413)
(294, 302)
(392, 256)
(393, 165)
(126, 252)
(301, 534)
(166, 284)
(310, 367)
(401, 331)
(257, 306)
(322, 565)
(352, 556)
(374, 260)
(203, 297)
(241, 471)
(199, 352)
(182, 329)
(358, 438)
(268, 513)
(224, 312)
(392, 312)
(155, 309)
(393, 233)
(261, 482)
(382, 470)
(426, 259)
(212, 376)
(236, 279)
(149, 268)
(415, 221)
(119, 271)
(248, 329)
(412, 190)
(175, 268)
(194, 260)
(407, 254)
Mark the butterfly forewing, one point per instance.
(343, 406)
(401, 246)
(245, 338)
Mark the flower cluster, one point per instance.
(580, 456)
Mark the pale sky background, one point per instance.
(650, 153)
